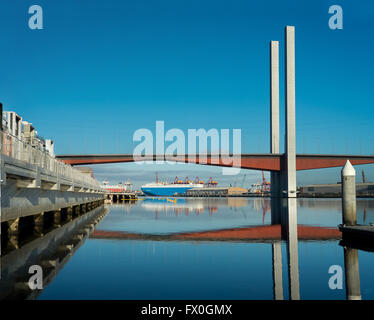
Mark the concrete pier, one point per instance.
(274, 131)
(117, 197)
(16, 232)
(38, 191)
(348, 175)
(289, 172)
(274, 97)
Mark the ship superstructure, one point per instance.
(177, 187)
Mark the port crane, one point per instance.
(265, 184)
(212, 182)
(198, 181)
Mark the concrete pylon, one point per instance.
(274, 131)
(290, 143)
(274, 114)
(274, 96)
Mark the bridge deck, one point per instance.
(258, 233)
(266, 162)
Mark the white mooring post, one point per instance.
(349, 194)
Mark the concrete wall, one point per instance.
(33, 181)
(18, 202)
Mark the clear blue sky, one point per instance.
(99, 70)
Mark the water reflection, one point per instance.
(277, 271)
(352, 274)
(288, 219)
(314, 211)
(221, 248)
(51, 252)
(287, 216)
(290, 224)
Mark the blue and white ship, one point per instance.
(167, 190)
(178, 187)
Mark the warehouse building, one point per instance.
(334, 190)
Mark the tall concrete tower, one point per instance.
(274, 113)
(290, 143)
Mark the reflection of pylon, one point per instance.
(156, 214)
(265, 184)
(265, 208)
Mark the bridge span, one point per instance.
(266, 162)
(249, 234)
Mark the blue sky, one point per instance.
(99, 70)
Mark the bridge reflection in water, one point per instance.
(283, 227)
(51, 252)
(54, 250)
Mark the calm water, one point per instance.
(156, 263)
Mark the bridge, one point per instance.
(36, 174)
(266, 162)
(283, 166)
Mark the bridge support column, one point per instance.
(13, 233)
(274, 129)
(39, 224)
(76, 211)
(57, 218)
(69, 214)
(290, 143)
(83, 208)
(274, 97)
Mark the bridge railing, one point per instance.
(23, 151)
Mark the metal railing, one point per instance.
(20, 150)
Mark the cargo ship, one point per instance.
(126, 187)
(178, 187)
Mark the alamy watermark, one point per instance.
(36, 280)
(193, 149)
(336, 20)
(336, 280)
(36, 20)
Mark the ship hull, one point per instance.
(164, 191)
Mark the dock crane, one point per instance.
(265, 184)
